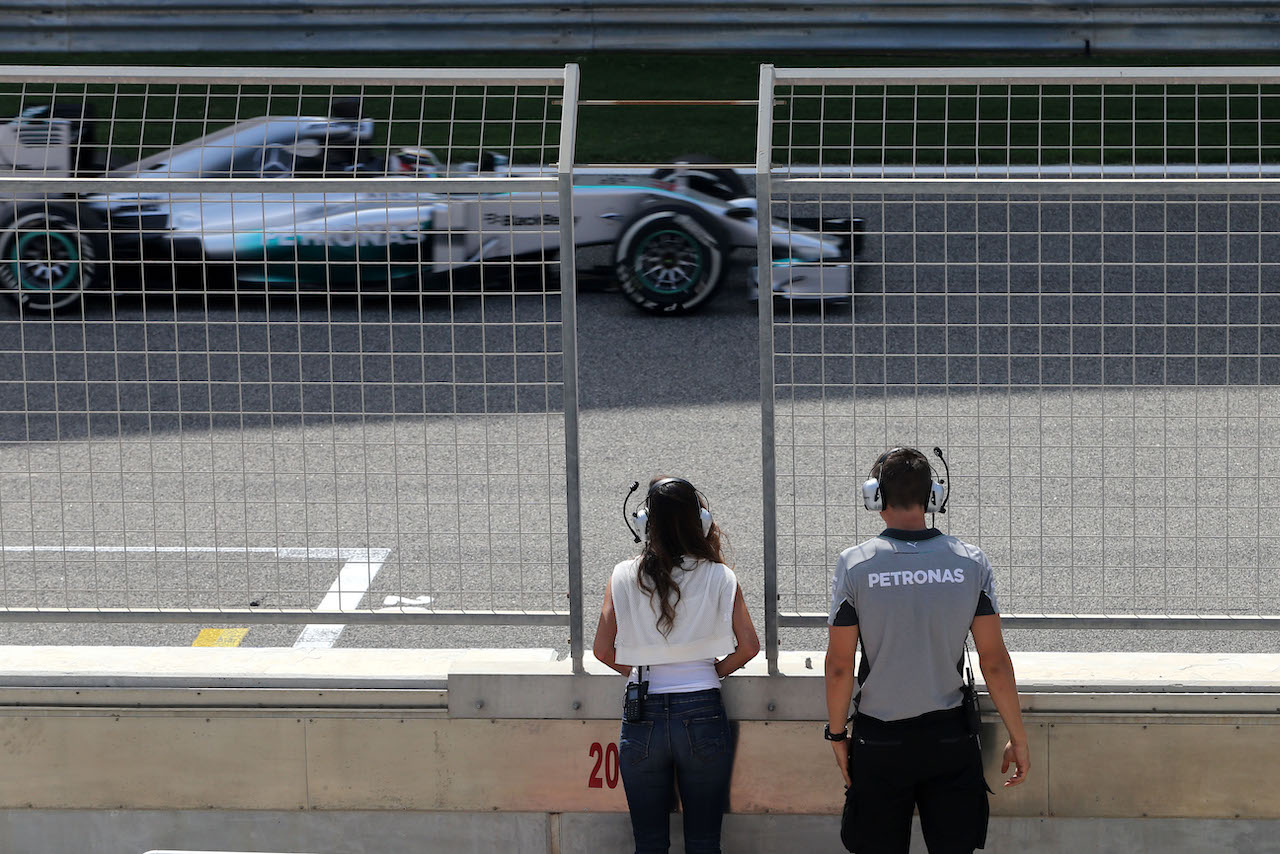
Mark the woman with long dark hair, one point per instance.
(674, 623)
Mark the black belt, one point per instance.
(940, 722)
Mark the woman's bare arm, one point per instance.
(745, 632)
(607, 635)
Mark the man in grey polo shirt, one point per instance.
(912, 595)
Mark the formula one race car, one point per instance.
(671, 231)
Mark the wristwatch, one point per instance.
(834, 736)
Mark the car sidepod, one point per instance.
(328, 249)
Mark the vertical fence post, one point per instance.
(569, 346)
(764, 290)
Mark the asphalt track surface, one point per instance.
(663, 395)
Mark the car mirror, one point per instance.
(306, 149)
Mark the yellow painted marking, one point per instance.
(220, 637)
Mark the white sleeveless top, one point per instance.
(703, 629)
(683, 678)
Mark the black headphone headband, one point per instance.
(657, 483)
(879, 464)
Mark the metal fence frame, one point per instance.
(769, 183)
(559, 184)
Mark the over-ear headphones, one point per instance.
(640, 531)
(873, 494)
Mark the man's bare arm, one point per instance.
(997, 672)
(842, 643)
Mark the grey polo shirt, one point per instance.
(913, 596)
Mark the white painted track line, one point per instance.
(345, 594)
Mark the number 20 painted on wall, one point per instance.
(606, 757)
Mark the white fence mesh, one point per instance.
(1069, 285)
(285, 342)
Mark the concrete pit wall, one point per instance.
(336, 751)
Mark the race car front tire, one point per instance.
(51, 254)
(670, 259)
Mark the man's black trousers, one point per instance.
(930, 763)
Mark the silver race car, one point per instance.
(671, 232)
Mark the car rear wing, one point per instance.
(49, 140)
(39, 146)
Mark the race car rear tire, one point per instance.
(51, 254)
(724, 184)
(670, 259)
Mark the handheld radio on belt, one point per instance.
(864, 670)
(972, 715)
(633, 705)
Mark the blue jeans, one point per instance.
(684, 741)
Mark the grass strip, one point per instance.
(953, 125)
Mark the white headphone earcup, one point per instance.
(871, 497)
(641, 519)
(937, 494)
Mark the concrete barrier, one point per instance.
(111, 750)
